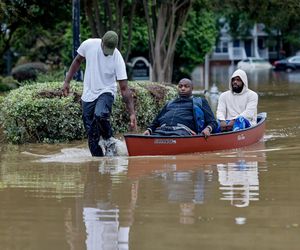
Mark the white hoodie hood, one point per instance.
(242, 74)
(231, 104)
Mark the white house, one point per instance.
(257, 44)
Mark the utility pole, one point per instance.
(206, 72)
(76, 33)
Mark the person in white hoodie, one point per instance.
(237, 107)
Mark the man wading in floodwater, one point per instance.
(104, 66)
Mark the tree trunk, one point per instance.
(128, 50)
(119, 22)
(98, 22)
(106, 15)
(170, 17)
(89, 14)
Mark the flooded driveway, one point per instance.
(59, 197)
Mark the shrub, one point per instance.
(51, 76)
(28, 115)
(40, 113)
(8, 83)
(28, 71)
(3, 87)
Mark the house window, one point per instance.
(236, 43)
(261, 43)
(222, 47)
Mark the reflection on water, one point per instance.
(107, 218)
(239, 182)
(102, 223)
(102, 228)
(111, 203)
(58, 196)
(291, 77)
(184, 186)
(41, 181)
(168, 181)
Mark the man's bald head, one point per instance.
(185, 87)
(186, 81)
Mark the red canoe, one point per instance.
(138, 145)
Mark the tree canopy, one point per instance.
(170, 33)
(32, 28)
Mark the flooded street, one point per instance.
(59, 197)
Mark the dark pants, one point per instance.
(96, 120)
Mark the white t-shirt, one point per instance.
(101, 72)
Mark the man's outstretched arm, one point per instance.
(72, 70)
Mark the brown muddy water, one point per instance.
(58, 197)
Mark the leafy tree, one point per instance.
(165, 20)
(163, 23)
(31, 27)
(137, 45)
(197, 39)
(284, 17)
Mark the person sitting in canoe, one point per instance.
(185, 115)
(237, 107)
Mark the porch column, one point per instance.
(255, 41)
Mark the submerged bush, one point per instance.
(40, 112)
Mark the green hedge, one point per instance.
(40, 113)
